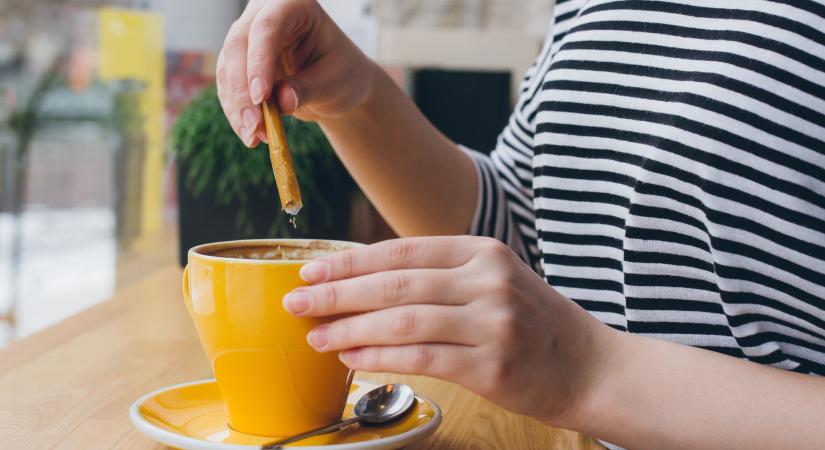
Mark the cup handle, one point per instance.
(187, 298)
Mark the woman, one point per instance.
(663, 172)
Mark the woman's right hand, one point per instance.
(293, 50)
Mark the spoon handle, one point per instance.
(323, 430)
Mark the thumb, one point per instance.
(320, 83)
(286, 95)
(287, 101)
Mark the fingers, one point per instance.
(377, 291)
(239, 92)
(275, 28)
(233, 87)
(446, 361)
(227, 104)
(397, 326)
(409, 253)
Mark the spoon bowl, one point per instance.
(385, 404)
(378, 406)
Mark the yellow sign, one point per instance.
(132, 47)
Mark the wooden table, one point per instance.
(70, 386)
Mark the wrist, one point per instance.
(602, 368)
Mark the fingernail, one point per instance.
(296, 302)
(294, 100)
(318, 337)
(315, 272)
(348, 357)
(246, 136)
(250, 118)
(256, 90)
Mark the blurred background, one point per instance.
(115, 158)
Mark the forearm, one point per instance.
(420, 181)
(657, 394)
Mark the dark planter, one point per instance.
(202, 220)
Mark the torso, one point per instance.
(678, 171)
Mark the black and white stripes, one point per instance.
(665, 168)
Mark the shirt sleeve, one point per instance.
(504, 208)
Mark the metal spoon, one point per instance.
(380, 405)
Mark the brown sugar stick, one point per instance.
(281, 159)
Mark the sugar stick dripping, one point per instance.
(281, 159)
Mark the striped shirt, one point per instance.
(665, 168)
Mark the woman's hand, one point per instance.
(464, 309)
(399, 159)
(293, 48)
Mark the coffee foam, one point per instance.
(274, 251)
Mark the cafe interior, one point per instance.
(103, 190)
(357, 224)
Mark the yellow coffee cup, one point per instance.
(272, 382)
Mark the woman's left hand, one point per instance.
(460, 308)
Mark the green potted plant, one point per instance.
(226, 191)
